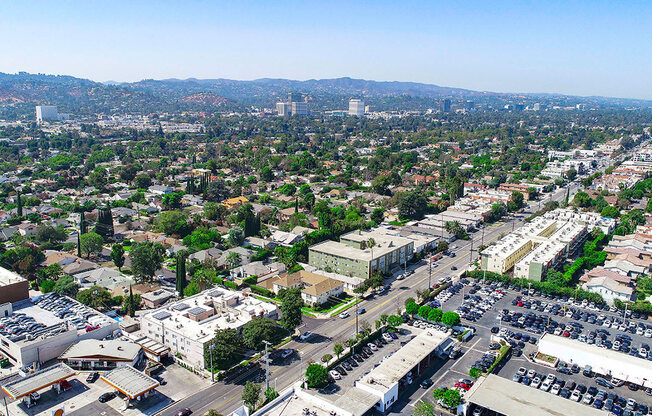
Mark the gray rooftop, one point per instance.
(37, 381)
(510, 398)
(130, 381)
(94, 348)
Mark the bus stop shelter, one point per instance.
(134, 384)
(51, 376)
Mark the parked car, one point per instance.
(92, 377)
(426, 383)
(106, 397)
(335, 375)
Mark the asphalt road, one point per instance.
(226, 397)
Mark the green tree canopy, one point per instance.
(146, 259)
(91, 244)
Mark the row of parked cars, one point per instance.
(478, 301)
(362, 354)
(585, 304)
(62, 307)
(592, 318)
(592, 396)
(18, 324)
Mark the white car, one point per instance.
(576, 396)
(335, 375)
(545, 386)
(555, 389)
(536, 383)
(305, 335)
(387, 337)
(372, 346)
(344, 315)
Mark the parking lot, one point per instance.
(482, 308)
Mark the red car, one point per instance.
(566, 334)
(463, 386)
(520, 304)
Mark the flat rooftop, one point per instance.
(130, 381)
(104, 350)
(27, 312)
(514, 399)
(225, 309)
(38, 380)
(602, 360)
(8, 277)
(391, 370)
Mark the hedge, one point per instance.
(251, 280)
(261, 291)
(230, 285)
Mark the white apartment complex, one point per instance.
(188, 325)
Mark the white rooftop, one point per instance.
(130, 381)
(391, 370)
(228, 309)
(514, 399)
(8, 277)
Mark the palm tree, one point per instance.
(233, 259)
(371, 243)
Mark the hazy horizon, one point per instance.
(584, 48)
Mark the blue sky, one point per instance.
(572, 47)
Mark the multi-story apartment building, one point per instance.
(536, 263)
(502, 256)
(188, 325)
(354, 256)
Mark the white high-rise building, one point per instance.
(46, 112)
(283, 109)
(356, 107)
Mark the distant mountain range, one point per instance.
(20, 92)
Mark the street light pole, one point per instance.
(266, 366)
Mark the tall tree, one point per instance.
(91, 244)
(104, 225)
(19, 204)
(251, 395)
(146, 259)
(291, 304)
(181, 273)
(118, 256)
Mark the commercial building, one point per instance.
(55, 376)
(536, 263)
(188, 325)
(502, 256)
(101, 355)
(602, 361)
(505, 397)
(46, 113)
(134, 384)
(39, 335)
(374, 392)
(445, 105)
(299, 108)
(356, 107)
(353, 256)
(283, 109)
(13, 287)
(394, 374)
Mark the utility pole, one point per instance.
(356, 316)
(471, 253)
(210, 349)
(482, 240)
(266, 366)
(429, 272)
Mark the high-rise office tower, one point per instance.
(356, 107)
(46, 113)
(445, 106)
